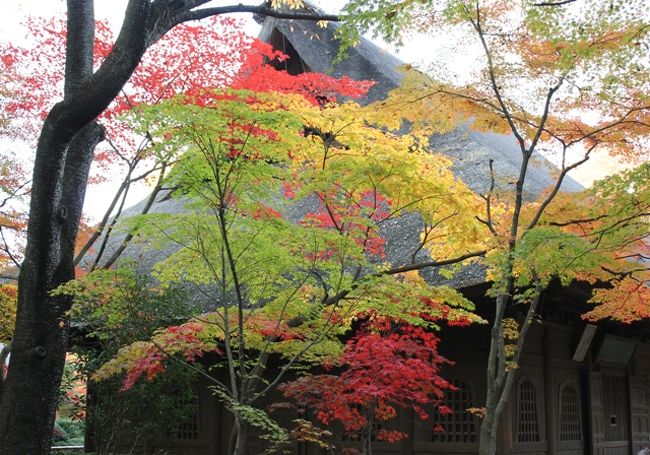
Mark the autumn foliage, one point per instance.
(385, 366)
(282, 179)
(297, 188)
(565, 81)
(8, 294)
(286, 191)
(221, 56)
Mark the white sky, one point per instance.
(14, 11)
(417, 50)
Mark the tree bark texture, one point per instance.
(63, 156)
(494, 379)
(488, 436)
(241, 437)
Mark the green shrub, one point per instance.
(73, 428)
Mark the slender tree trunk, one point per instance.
(367, 441)
(494, 381)
(500, 377)
(241, 437)
(488, 435)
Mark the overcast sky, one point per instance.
(14, 12)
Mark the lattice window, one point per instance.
(460, 426)
(527, 428)
(570, 422)
(375, 428)
(190, 428)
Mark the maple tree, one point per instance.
(216, 48)
(14, 184)
(63, 155)
(284, 197)
(131, 314)
(545, 66)
(555, 51)
(332, 126)
(385, 366)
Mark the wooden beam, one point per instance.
(584, 343)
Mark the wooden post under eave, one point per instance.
(551, 398)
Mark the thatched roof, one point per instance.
(313, 48)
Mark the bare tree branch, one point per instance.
(557, 3)
(424, 265)
(259, 9)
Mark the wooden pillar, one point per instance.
(596, 416)
(550, 405)
(628, 410)
(90, 430)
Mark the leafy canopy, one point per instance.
(565, 82)
(283, 197)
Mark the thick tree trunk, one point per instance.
(63, 157)
(41, 334)
(61, 169)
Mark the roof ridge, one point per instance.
(308, 7)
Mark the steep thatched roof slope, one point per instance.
(312, 48)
